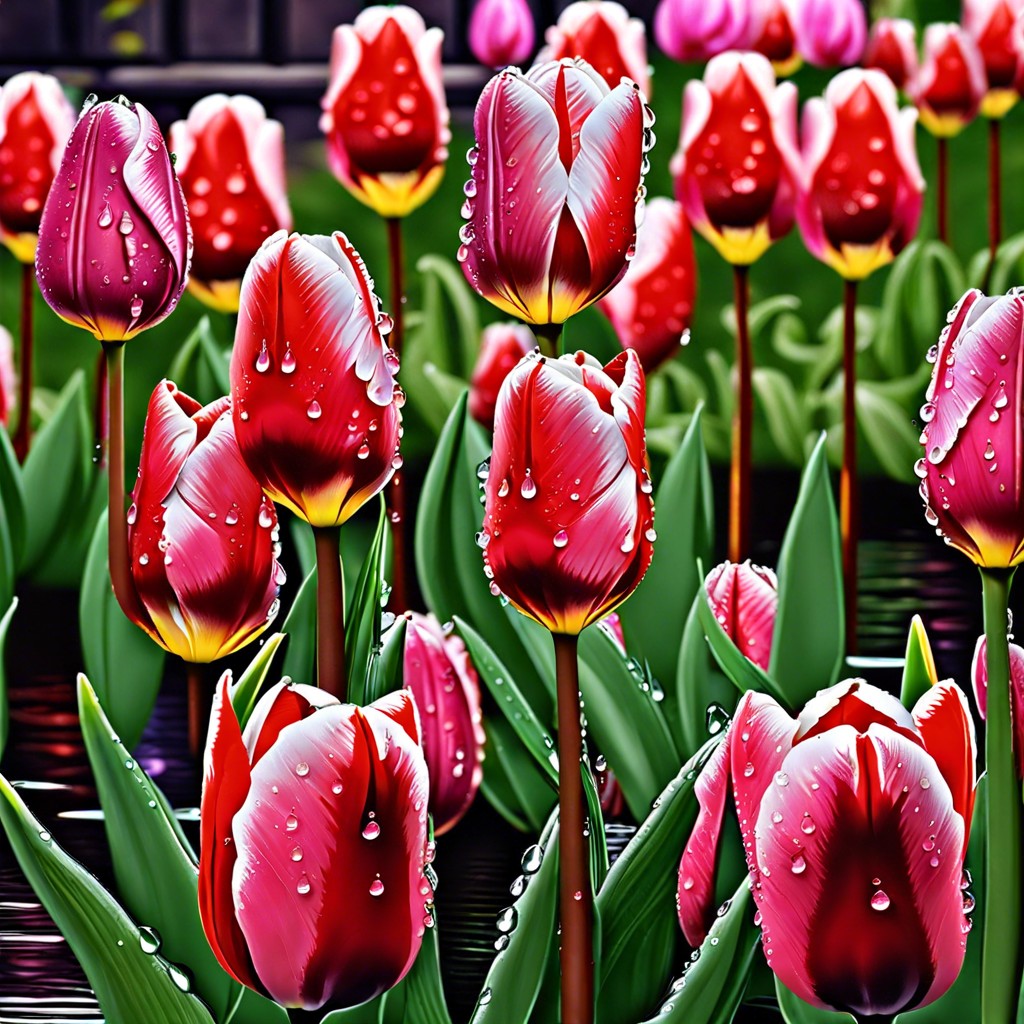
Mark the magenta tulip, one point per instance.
(995, 26)
(979, 675)
(501, 348)
(312, 883)
(830, 33)
(697, 30)
(501, 32)
(744, 599)
(951, 84)
(855, 818)
(8, 393)
(892, 48)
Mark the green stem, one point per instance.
(23, 433)
(1000, 957)
(548, 338)
(849, 484)
(330, 613)
(394, 493)
(742, 423)
(299, 1016)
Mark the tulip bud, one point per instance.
(230, 160)
(556, 188)
(971, 472)
(8, 389)
(35, 122)
(697, 30)
(770, 32)
(737, 166)
(115, 241)
(501, 32)
(314, 827)
(979, 676)
(651, 307)
(862, 190)
(830, 33)
(860, 889)
(892, 48)
(569, 521)
(744, 599)
(201, 534)
(441, 677)
(603, 34)
(501, 348)
(384, 113)
(951, 84)
(993, 26)
(316, 406)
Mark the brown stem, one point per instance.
(742, 422)
(548, 338)
(849, 503)
(23, 432)
(942, 190)
(330, 613)
(576, 896)
(995, 197)
(394, 493)
(101, 414)
(198, 707)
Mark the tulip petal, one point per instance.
(857, 703)
(283, 704)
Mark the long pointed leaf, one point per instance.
(5, 624)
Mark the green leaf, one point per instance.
(887, 428)
(637, 902)
(419, 996)
(653, 617)
(598, 845)
(300, 628)
(368, 1013)
(246, 691)
(130, 984)
(388, 666)
(12, 498)
(796, 1011)
(784, 412)
(530, 791)
(123, 662)
(363, 613)
(5, 624)
(919, 672)
(808, 641)
(201, 366)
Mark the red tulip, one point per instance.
(855, 818)
(862, 191)
(8, 391)
(951, 84)
(384, 113)
(501, 348)
(651, 307)
(316, 405)
(606, 37)
(745, 599)
(737, 166)
(35, 122)
(697, 30)
(830, 33)
(892, 48)
(230, 159)
(993, 26)
(201, 534)
(979, 675)
(501, 32)
(115, 241)
(441, 677)
(569, 521)
(612, 625)
(971, 472)
(557, 177)
(312, 887)
(770, 33)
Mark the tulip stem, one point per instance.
(1001, 946)
(299, 1016)
(576, 896)
(101, 421)
(742, 421)
(942, 190)
(198, 711)
(23, 433)
(849, 496)
(330, 613)
(995, 197)
(394, 493)
(548, 337)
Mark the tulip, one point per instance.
(501, 32)
(951, 84)
(444, 683)
(651, 307)
(314, 828)
(230, 160)
(8, 383)
(35, 122)
(979, 675)
(384, 112)
(606, 37)
(201, 533)
(992, 25)
(697, 30)
(858, 886)
(745, 599)
(770, 32)
(892, 48)
(830, 33)
(556, 189)
(501, 348)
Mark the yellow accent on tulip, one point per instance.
(943, 126)
(919, 637)
(856, 262)
(222, 296)
(998, 103)
(397, 195)
(738, 246)
(23, 245)
(785, 68)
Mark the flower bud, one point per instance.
(745, 599)
(501, 348)
(697, 30)
(892, 48)
(951, 84)
(830, 33)
(993, 24)
(501, 32)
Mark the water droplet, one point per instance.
(880, 900)
(807, 826)
(149, 940)
(371, 831)
(529, 486)
(561, 539)
(313, 410)
(266, 520)
(376, 887)
(127, 225)
(507, 920)
(748, 770)
(303, 887)
(106, 217)
(532, 860)
(297, 853)
(302, 769)
(781, 779)
(363, 452)
(288, 362)
(133, 514)
(291, 823)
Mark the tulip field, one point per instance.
(440, 563)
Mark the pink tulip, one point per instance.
(830, 33)
(612, 625)
(35, 122)
(501, 32)
(862, 190)
(312, 887)
(892, 48)
(737, 166)
(557, 176)
(696, 30)
(606, 37)
(770, 32)
(501, 348)
(744, 599)
(855, 818)
(230, 160)
(8, 389)
(444, 682)
(993, 24)
(979, 675)
(651, 307)
(951, 84)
